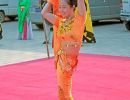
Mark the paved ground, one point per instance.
(112, 39)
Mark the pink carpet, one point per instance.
(97, 78)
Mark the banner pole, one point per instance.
(44, 26)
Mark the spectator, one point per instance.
(24, 22)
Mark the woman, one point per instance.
(24, 22)
(68, 35)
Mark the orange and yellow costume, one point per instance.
(66, 30)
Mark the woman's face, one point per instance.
(65, 9)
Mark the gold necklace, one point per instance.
(65, 25)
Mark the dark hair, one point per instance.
(72, 3)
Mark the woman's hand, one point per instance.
(22, 8)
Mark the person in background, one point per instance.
(67, 38)
(24, 22)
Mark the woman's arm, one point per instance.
(81, 7)
(47, 13)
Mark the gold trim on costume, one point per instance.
(65, 26)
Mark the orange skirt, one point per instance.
(64, 79)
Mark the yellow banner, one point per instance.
(88, 34)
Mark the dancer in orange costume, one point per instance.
(68, 35)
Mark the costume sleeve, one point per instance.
(79, 22)
(80, 18)
(57, 21)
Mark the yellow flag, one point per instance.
(88, 34)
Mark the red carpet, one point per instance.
(97, 78)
